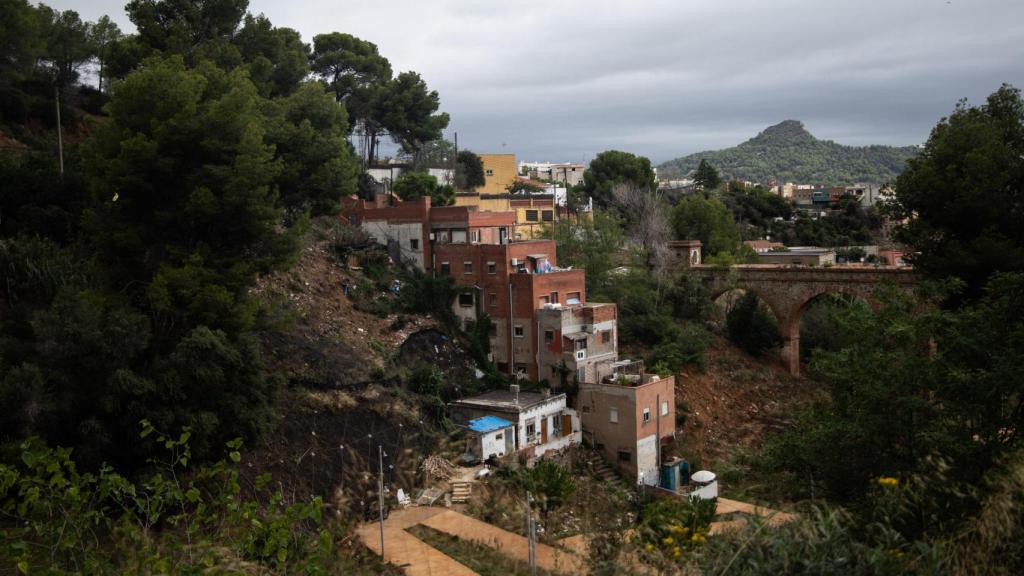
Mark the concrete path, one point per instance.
(512, 545)
(406, 551)
(726, 506)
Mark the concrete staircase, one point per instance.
(461, 490)
(600, 468)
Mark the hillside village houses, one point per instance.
(543, 328)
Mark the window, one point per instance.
(572, 298)
(542, 301)
(492, 299)
(554, 371)
(606, 336)
(466, 299)
(613, 415)
(625, 456)
(492, 268)
(474, 235)
(580, 344)
(587, 409)
(554, 297)
(489, 172)
(498, 436)
(414, 244)
(549, 336)
(664, 408)
(518, 331)
(547, 215)
(647, 415)
(458, 236)
(446, 269)
(467, 267)
(531, 215)
(531, 431)
(493, 331)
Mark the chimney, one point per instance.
(514, 388)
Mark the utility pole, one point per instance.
(60, 139)
(531, 537)
(380, 494)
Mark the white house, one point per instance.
(541, 421)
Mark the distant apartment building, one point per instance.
(499, 173)
(628, 416)
(570, 174)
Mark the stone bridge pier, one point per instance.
(788, 289)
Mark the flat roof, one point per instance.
(488, 424)
(505, 400)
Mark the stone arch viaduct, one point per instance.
(788, 289)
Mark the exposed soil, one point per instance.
(736, 402)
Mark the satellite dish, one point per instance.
(703, 476)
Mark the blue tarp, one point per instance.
(488, 424)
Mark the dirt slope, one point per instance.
(737, 401)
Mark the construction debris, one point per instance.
(438, 468)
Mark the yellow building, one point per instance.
(499, 173)
(533, 212)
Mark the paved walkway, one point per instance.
(512, 545)
(726, 506)
(405, 550)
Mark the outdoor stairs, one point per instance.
(461, 490)
(600, 468)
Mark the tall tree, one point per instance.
(277, 58)
(185, 159)
(613, 167)
(707, 220)
(706, 177)
(469, 171)
(308, 129)
(180, 26)
(408, 110)
(357, 74)
(67, 44)
(962, 198)
(102, 35)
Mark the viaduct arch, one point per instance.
(788, 289)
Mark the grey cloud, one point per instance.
(563, 80)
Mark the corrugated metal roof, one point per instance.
(486, 424)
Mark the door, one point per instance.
(544, 430)
(566, 425)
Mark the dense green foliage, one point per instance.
(751, 325)
(707, 220)
(180, 519)
(413, 185)
(964, 195)
(127, 280)
(613, 168)
(469, 170)
(788, 153)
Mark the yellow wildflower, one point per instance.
(676, 529)
(697, 538)
(677, 552)
(888, 482)
(668, 541)
(649, 547)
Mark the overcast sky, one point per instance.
(561, 80)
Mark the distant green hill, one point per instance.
(789, 153)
